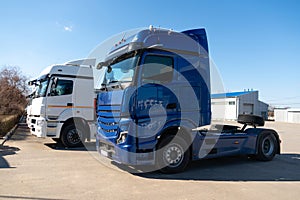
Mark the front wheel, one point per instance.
(71, 136)
(173, 155)
(267, 147)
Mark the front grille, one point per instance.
(109, 123)
(108, 119)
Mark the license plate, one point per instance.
(104, 153)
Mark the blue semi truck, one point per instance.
(154, 105)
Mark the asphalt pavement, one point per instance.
(38, 168)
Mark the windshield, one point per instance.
(41, 88)
(121, 71)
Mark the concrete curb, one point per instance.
(9, 134)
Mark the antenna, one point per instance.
(158, 35)
(122, 40)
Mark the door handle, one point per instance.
(172, 105)
(69, 104)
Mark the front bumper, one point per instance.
(38, 126)
(42, 128)
(123, 154)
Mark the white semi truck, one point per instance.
(62, 106)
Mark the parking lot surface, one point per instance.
(36, 168)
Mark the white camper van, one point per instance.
(62, 106)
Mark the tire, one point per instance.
(267, 147)
(173, 155)
(71, 136)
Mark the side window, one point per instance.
(62, 87)
(157, 69)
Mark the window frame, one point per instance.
(231, 103)
(142, 80)
(55, 87)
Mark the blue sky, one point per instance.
(255, 44)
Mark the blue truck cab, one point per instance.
(155, 102)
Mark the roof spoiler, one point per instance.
(199, 35)
(87, 62)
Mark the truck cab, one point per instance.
(155, 104)
(62, 106)
(152, 87)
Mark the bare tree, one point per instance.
(13, 88)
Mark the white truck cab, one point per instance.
(62, 106)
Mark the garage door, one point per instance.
(248, 108)
(294, 117)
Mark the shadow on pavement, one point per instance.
(22, 197)
(284, 167)
(4, 151)
(88, 146)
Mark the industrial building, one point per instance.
(228, 106)
(291, 115)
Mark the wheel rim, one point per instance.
(268, 146)
(173, 155)
(73, 136)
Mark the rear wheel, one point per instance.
(71, 136)
(173, 155)
(267, 147)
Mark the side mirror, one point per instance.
(100, 65)
(109, 69)
(53, 86)
(54, 82)
(33, 82)
(53, 92)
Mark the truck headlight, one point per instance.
(39, 122)
(122, 137)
